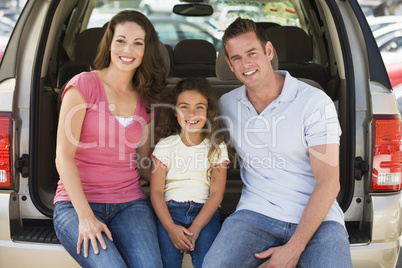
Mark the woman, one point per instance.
(103, 133)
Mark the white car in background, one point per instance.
(382, 32)
(377, 23)
(6, 28)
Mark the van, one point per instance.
(327, 43)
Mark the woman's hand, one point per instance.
(90, 229)
(180, 238)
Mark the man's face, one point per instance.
(247, 59)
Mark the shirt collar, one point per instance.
(289, 90)
(288, 94)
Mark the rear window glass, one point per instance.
(173, 28)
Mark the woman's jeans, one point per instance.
(133, 228)
(246, 232)
(183, 214)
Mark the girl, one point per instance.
(189, 172)
(104, 120)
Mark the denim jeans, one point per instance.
(133, 228)
(184, 214)
(246, 232)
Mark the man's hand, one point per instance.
(283, 256)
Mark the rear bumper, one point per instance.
(22, 255)
(382, 219)
(375, 255)
(386, 224)
(26, 254)
(9, 214)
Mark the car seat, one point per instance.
(266, 24)
(295, 53)
(194, 57)
(169, 49)
(86, 47)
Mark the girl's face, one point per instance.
(191, 111)
(128, 46)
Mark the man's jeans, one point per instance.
(133, 228)
(245, 233)
(183, 214)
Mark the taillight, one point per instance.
(386, 169)
(6, 126)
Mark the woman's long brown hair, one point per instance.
(149, 79)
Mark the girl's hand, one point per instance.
(194, 237)
(90, 229)
(180, 238)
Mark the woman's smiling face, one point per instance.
(128, 46)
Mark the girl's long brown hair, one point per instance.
(149, 79)
(166, 120)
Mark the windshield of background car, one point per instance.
(172, 28)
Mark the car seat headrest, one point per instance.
(166, 58)
(293, 44)
(194, 51)
(266, 24)
(86, 45)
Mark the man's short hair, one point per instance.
(242, 26)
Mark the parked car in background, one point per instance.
(387, 31)
(393, 64)
(3, 44)
(392, 57)
(382, 32)
(11, 14)
(377, 23)
(395, 73)
(371, 7)
(378, 8)
(6, 28)
(391, 42)
(51, 42)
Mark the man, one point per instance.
(287, 135)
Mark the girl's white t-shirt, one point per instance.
(186, 174)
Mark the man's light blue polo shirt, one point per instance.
(273, 146)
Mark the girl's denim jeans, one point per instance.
(184, 214)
